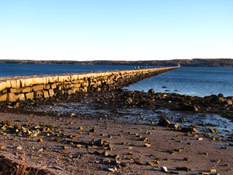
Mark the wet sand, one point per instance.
(103, 145)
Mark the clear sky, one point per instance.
(116, 29)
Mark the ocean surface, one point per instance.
(194, 81)
(13, 69)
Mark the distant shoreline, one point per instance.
(160, 63)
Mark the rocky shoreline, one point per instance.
(73, 143)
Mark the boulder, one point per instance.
(129, 100)
(229, 102)
(151, 91)
(190, 130)
(164, 122)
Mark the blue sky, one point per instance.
(116, 29)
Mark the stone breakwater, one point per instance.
(13, 89)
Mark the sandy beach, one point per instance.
(103, 145)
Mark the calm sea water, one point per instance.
(12, 69)
(195, 81)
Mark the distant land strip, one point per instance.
(197, 62)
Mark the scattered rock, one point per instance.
(19, 148)
(40, 140)
(66, 147)
(164, 169)
(151, 91)
(190, 130)
(113, 170)
(183, 169)
(147, 145)
(164, 122)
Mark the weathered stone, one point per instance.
(151, 91)
(105, 153)
(19, 147)
(129, 100)
(3, 97)
(77, 85)
(29, 96)
(26, 89)
(51, 92)
(229, 102)
(2, 86)
(46, 86)
(53, 79)
(46, 94)
(151, 163)
(147, 145)
(39, 94)
(11, 97)
(173, 126)
(164, 122)
(190, 130)
(15, 84)
(221, 99)
(53, 86)
(66, 147)
(38, 88)
(183, 169)
(164, 169)
(26, 82)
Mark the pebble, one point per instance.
(19, 147)
(40, 140)
(112, 169)
(147, 145)
(66, 147)
(106, 153)
(2, 147)
(151, 163)
(164, 169)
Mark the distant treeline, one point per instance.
(160, 63)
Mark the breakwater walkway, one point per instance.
(23, 88)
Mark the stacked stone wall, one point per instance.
(30, 88)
